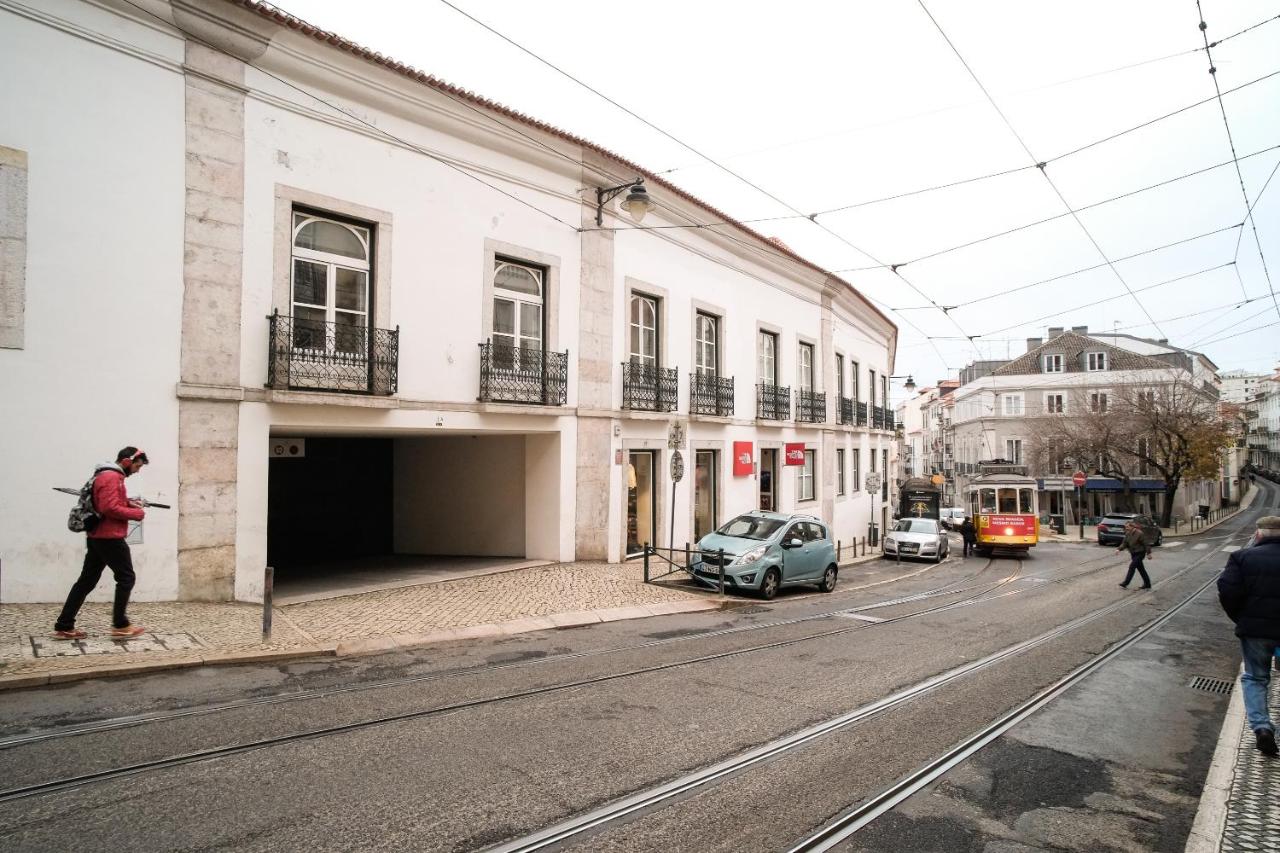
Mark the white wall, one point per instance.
(103, 132)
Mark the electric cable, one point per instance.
(1035, 160)
(1213, 73)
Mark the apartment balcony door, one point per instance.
(642, 501)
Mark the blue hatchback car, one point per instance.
(766, 551)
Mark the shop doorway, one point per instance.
(706, 497)
(642, 501)
(768, 479)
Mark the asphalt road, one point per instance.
(493, 740)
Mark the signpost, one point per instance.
(677, 474)
(873, 487)
(1079, 479)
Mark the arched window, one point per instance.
(644, 330)
(518, 299)
(330, 284)
(706, 338)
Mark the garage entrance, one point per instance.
(352, 514)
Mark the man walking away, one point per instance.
(1136, 544)
(105, 546)
(1249, 590)
(969, 534)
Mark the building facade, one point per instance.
(353, 312)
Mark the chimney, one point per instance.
(1163, 341)
(1080, 330)
(1054, 331)
(1032, 343)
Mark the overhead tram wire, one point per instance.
(1070, 212)
(1105, 300)
(1213, 73)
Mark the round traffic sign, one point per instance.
(677, 466)
(1079, 479)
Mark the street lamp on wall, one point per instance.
(910, 384)
(636, 203)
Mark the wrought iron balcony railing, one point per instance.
(522, 375)
(773, 402)
(846, 410)
(811, 406)
(314, 355)
(710, 395)
(648, 388)
(861, 413)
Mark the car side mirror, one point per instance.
(792, 543)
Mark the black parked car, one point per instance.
(1111, 528)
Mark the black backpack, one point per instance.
(83, 518)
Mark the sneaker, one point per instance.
(73, 634)
(1124, 586)
(1145, 586)
(1267, 742)
(128, 631)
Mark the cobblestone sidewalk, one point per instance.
(187, 633)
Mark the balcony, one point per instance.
(513, 375)
(773, 402)
(846, 410)
(647, 388)
(861, 414)
(710, 395)
(881, 418)
(811, 407)
(314, 355)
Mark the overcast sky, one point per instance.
(826, 105)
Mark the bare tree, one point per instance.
(1093, 436)
(1173, 428)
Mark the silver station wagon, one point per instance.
(766, 551)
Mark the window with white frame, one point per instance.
(644, 330)
(806, 367)
(1011, 405)
(884, 391)
(1098, 402)
(329, 284)
(1144, 454)
(871, 390)
(767, 357)
(1097, 361)
(857, 469)
(1055, 404)
(518, 298)
(854, 367)
(1013, 450)
(1053, 363)
(706, 339)
(839, 375)
(840, 488)
(804, 476)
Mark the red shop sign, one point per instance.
(743, 456)
(795, 453)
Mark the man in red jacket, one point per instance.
(105, 546)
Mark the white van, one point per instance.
(952, 517)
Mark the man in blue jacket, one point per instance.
(1249, 590)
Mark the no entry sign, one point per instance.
(1079, 479)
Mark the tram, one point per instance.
(919, 498)
(1002, 502)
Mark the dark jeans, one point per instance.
(1135, 563)
(99, 554)
(969, 546)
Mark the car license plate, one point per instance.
(909, 547)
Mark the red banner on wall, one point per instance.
(795, 453)
(743, 457)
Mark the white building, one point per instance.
(353, 312)
(1241, 386)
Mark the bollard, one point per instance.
(646, 562)
(720, 557)
(687, 563)
(268, 584)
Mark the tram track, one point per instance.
(952, 588)
(656, 797)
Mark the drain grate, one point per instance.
(1212, 685)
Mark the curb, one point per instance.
(19, 680)
(1211, 816)
(568, 619)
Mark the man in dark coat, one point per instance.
(1135, 542)
(1249, 590)
(969, 534)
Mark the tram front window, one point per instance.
(1026, 500)
(1008, 501)
(987, 500)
